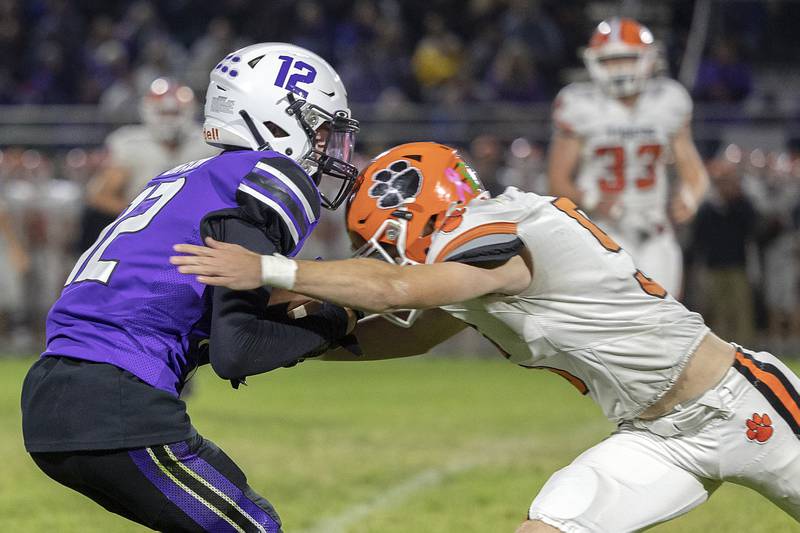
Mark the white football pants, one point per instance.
(745, 430)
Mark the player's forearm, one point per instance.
(373, 285)
(244, 344)
(365, 284)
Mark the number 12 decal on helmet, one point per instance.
(308, 76)
(261, 98)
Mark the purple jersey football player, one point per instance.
(101, 408)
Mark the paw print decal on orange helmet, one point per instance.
(395, 184)
(759, 428)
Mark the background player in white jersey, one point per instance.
(613, 137)
(553, 291)
(168, 136)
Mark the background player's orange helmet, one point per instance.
(403, 196)
(621, 56)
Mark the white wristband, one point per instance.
(278, 271)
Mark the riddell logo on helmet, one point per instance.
(211, 134)
(395, 184)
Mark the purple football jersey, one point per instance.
(125, 304)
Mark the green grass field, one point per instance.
(417, 445)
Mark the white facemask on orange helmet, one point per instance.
(621, 56)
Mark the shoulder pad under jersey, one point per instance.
(574, 107)
(673, 101)
(483, 231)
(276, 187)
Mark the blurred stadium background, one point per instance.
(479, 74)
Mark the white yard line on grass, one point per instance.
(390, 497)
(478, 454)
(495, 452)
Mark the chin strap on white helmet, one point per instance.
(262, 144)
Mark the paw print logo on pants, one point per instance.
(759, 428)
(395, 184)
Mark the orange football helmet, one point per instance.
(401, 199)
(404, 196)
(621, 56)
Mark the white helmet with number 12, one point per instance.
(282, 97)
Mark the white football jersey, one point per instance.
(135, 150)
(625, 148)
(588, 314)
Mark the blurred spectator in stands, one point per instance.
(371, 61)
(390, 59)
(723, 229)
(525, 167)
(16, 262)
(206, 51)
(119, 99)
(723, 76)
(106, 64)
(51, 79)
(438, 57)
(161, 58)
(10, 49)
(138, 25)
(484, 35)
(529, 21)
(356, 30)
(779, 244)
(486, 157)
(447, 116)
(513, 76)
(359, 76)
(24, 175)
(309, 29)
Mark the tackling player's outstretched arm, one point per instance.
(693, 176)
(366, 284)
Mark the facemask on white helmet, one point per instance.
(281, 97)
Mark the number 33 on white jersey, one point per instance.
(625, 148)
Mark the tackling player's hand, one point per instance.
(220, 263)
